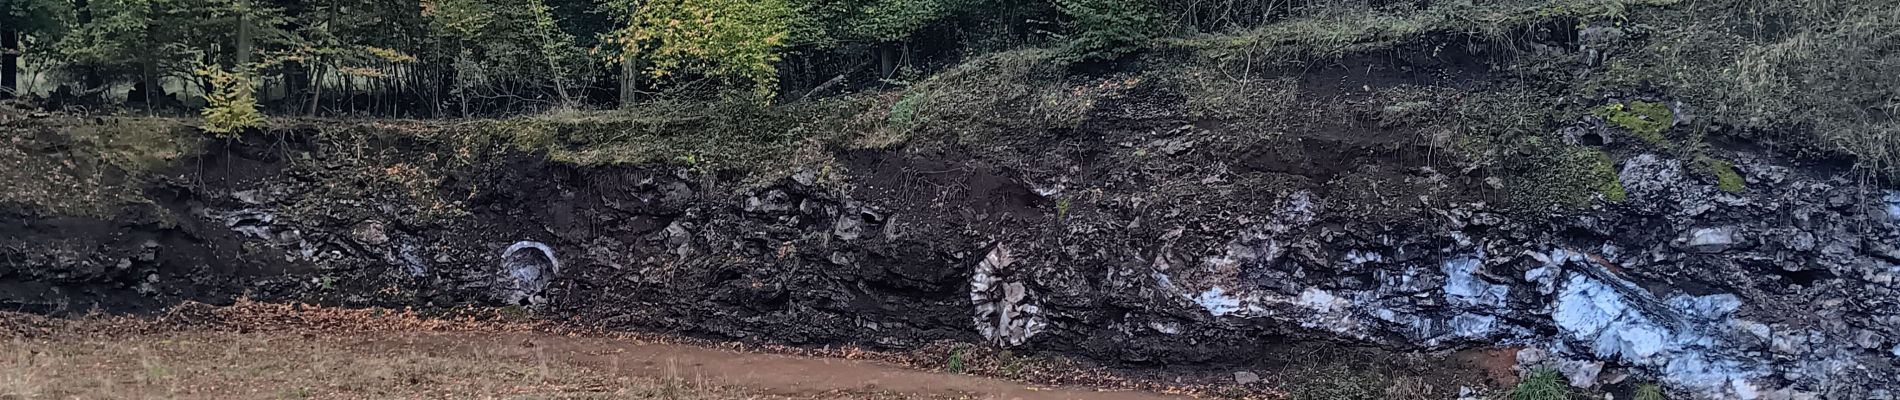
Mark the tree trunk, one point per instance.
(316, 86)
(887, 60)
(9, 63)
(629, 82)
(148, 63)
(148, 76)
(243, 37)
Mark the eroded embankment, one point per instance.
(1416, 196)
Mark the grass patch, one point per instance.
(954, 363)
(1543, 384)
(1335, 31)
(1602, 173)
(1819, 78)
(1009, 99)
(1648, 391)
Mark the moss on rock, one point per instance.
(1602, 174)
(1724, 172)
(1645, 120)
(1565, 176)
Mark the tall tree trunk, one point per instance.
(243, 36)
(887, 60)
(148, 76)
(9, 63)
(316, 86)
(148, 63)
(629, 82)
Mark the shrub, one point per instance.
(231, 105)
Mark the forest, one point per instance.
(1759, 66)
(448, 58)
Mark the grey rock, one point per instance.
(1711, 240)
(1581, 373)
(1245, 377)
(849, 227)
(1868, 339)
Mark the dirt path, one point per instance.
(302, 364)
(766, 373)
(774, 374)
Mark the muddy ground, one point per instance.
(256, 350)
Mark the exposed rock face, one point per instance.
(526, 269)
(1785, 291)
(1004, 312)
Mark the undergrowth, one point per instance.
(1816, 77)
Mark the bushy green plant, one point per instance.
(1105, 29)
(231, 105)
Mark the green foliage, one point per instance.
(1649, 391)
(1644, 119)
(36, 17)
(495, 43)
(147, 41)
(120, 36)
(1106, 29)
(895, 20)
(733, 40)
(1724, 172)
(557, 50)
(231, 105)
(1543, 384)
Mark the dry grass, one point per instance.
(228, 365)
